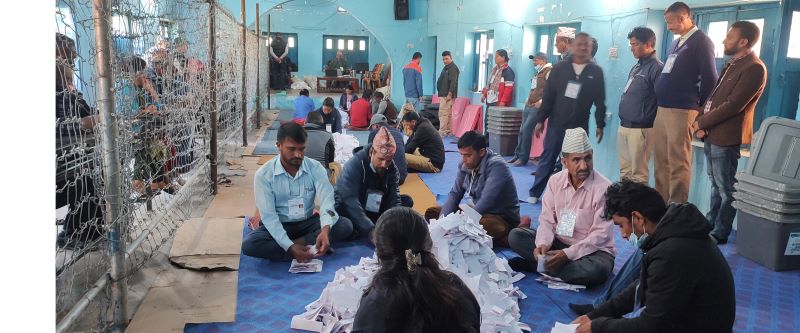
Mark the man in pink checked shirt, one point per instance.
(576, 244)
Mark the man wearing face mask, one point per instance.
(574, 240)
(368, 185)
(485, 183)
(534, 102)
(685, 284)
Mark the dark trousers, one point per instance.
(589, 270)
(365, 227)
(552, 151)
(260, 243)
(721, 169)
(523, 150)
(85, 218)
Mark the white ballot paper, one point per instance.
(564, 328)
(556, 283)
(461, 246)
(313, 266)
(344, 144)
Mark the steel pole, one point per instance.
(258, 70)
(212, 91)
(101, 14)
(244, 77)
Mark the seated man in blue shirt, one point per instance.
(285, 189)
(302, 106)
(485, 181)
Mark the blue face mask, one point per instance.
(634, 239)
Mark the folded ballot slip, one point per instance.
(313, 266)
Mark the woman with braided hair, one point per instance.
(410, 293)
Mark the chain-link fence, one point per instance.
(133, 136)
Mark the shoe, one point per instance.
(581, 309)
(532, 200)
(519, 163)
(717, 240)
(513, 160)
(520, 264)
(533, 173)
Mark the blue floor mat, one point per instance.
(268, 295)
(267, 144)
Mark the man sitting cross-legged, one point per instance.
(285, 189)
(573, 238)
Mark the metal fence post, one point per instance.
(269, 69)
(101, 14)
(212, 91)
(244, 77)
(258, 70)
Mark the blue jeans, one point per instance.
(721, 168)
(523, 151)
(626, 275)
(260, 243)
(415, 102)
(552, 150)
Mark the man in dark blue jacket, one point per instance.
(637, 107)
(368, 184)
(684, 85)
(574, 85)
(485, 181)
(379, 121)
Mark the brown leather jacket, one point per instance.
(729, 121)
(541, 80)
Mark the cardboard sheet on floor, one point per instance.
(208, 244)
(235, 201)
(422, 195)
(183, 296)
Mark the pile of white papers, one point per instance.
(336, 308)
(461, 246)
(344, 144)
(556, 283)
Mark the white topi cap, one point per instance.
(566, 32)
(576, 141)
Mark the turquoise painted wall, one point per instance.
(400, 38)
(310, 24)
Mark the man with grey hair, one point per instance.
(534, 102)
(574, 241)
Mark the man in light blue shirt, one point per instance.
(285, 189)
(302, 106)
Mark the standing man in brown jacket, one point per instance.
(727, 121)
(534, 102)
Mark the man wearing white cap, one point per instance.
(564, 38)
(575, 242)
